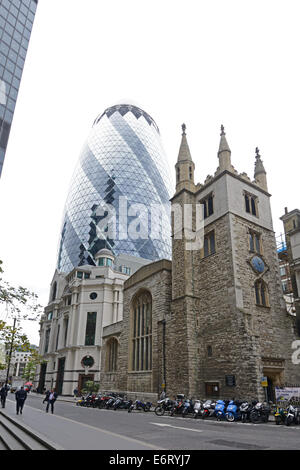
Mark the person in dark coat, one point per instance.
(21, 396)
(3, 395)
(50, 398)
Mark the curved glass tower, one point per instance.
(120, 192)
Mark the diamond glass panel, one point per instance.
(122, 165)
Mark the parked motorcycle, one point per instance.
(208, 409)
(109, 404)
(163, 406)
(85, 400)
(197, 408)
(96, 401)
(292, 415)
(121, 403)
(80, 401)
(233, 412)
(245, 410)
(220, 409)
(188, 407)
(103, 400)
(140, 405)
(178, 405)
(260, 413)
(280, 415)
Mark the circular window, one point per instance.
(87, 361)
(93, 295)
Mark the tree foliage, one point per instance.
(90, 387)
(20, 304)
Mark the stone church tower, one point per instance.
(228, 326)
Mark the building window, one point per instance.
(178, 175)
(209, 351)
(125, 270)
(47, 337)
(191, 173)
(49, 316)
(282, 271)
(112, 355)
(141, 352)
(208, 204)
(79, 274)
(209, 244)
(54, 291)
(90, 331)
(66, 324)
(255, 242)
(251, 204)
(285, 287)
(261, 294)
(105, 262)
(212, 389)
(57, 338)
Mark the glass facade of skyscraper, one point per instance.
(16, 20)
(122, 175)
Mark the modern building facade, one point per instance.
(120, 192)
(16, 22)
(81, 304)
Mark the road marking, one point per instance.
(176, 427)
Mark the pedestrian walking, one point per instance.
(50, 398)
(21, 396)
(75, 392)
(3, 395)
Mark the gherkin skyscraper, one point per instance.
(122, 167)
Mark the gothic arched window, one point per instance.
(141, 332)
(261, 293)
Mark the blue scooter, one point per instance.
(233, 411)
(220, 409)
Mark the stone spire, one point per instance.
(260, 174)
(184, 151)
(185, 166)
(224, 152)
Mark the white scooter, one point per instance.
(197, 408)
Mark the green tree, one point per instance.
(21, 304)
(31, 366)
(90, 387)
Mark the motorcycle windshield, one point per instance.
(231, 408)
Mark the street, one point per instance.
(76, 428)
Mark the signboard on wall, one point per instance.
(264, 381)
(230, 380)
(287, 393)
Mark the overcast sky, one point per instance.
(205, 63)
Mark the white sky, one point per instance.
(205, 63)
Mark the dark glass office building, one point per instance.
(16, 20)
(122, 167)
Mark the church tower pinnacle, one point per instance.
(260, 174)
(185, 166)
(224, 152)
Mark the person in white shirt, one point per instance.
(50, 398)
